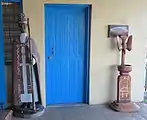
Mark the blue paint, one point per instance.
(3, 90)
(67, 42)
(21, 5)
(16, 1)
(2, 80)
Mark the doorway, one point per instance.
(10, 31)
(67, 46)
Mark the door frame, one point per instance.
(88, 8)
(4, 93)
(3, 98)
(88, 38)
(20, 2)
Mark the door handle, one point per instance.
(50, 57)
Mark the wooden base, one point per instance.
(124, 107)
(6, 114)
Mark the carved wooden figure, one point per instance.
(123, 102)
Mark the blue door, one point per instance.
(66, 41)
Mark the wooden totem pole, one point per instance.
(124, 43)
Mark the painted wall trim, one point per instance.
(19, 1)
(88, 53)
(15, 1)
(3, 96)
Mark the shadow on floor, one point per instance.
(93, 112)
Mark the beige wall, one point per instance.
(104, 55)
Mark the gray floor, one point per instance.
(94, 112)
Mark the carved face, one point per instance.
(22, 27)
(22, 22)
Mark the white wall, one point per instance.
(104, 55)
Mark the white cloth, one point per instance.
(23, 37)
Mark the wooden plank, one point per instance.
(6, 114)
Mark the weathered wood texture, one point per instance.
(6, 114)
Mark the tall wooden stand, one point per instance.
(123, 102)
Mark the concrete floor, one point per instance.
(94, 112)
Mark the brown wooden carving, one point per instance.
(124, 88)
(123, 102)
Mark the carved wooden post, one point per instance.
(123, 102)
(124, 84)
